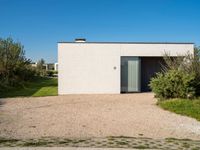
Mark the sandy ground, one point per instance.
(74, 116)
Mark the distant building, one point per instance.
(56, 66)
(47, 66)
(34, 64)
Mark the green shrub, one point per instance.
(25, 72)
(173, 84)
(50, 73)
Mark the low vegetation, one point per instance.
(185, 107)
(51, 73)
(39, 86)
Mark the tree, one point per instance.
(14, 66)
(40, 64)
(40, 67)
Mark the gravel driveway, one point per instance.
(79, 116)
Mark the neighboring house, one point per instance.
(33, 64)
(112, 67)
(47, 66)
(52, 67)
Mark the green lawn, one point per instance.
(185, 107)
(38, 87)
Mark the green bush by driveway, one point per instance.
(37, 87)
(174, 84)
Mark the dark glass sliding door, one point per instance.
(130, 74)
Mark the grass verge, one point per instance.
(184, 107)
(35, 88)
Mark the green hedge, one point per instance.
(51, 73)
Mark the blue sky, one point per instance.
(40, 24)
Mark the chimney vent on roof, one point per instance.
(80, 40)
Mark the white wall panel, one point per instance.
(84, 69)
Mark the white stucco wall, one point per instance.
(88, 68)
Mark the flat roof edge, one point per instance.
(127, 42)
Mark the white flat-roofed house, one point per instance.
(112, 67)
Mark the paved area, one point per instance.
(82, 116)
(62, 148)
(108, 142)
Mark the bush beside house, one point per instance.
(180, 77)
(174, 84)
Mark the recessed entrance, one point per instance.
(149, 67)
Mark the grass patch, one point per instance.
(35, 88)
(185, 107)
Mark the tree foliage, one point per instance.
(41, 68)
(40, 64)
(14, 66)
